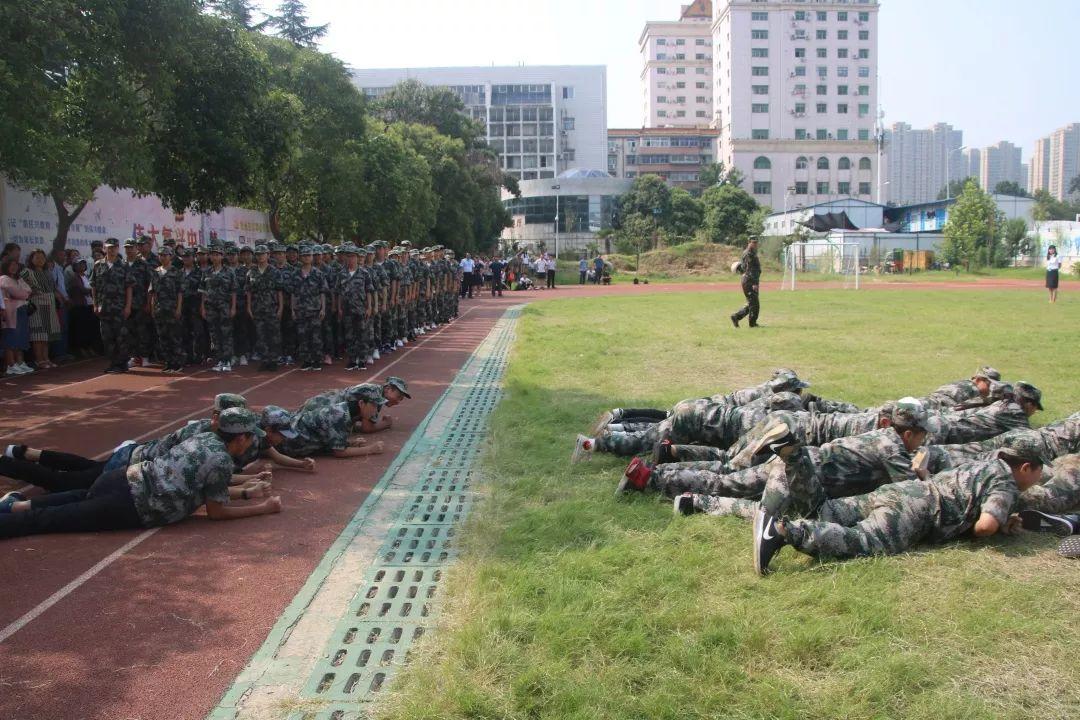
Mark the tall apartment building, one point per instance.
(1056, 161)
(676, 73)
(1000, 163)
(919, 163)
(675, 154)
(796, 98)
(972, 163)
(542, 120)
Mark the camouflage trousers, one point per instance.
(1059, 491)
(267, 336)
(698, 453)
(712, 478)
(288, 330)
(220, 326)
(330, 332)
(114, 338)
(387, 328)
(688, 423)
(196, 337)
(355, 345)
(309, 337)
(170, 338)
(140, 333)
(243, 332)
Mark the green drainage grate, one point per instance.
(398, 599)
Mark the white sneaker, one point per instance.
(400, 344)
(216, 368)
(23, 368)
(243, 361)
(226, 367)
(375, 355)
(368, 360)
(12, 372)
(146, 362)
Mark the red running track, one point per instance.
(157, 624)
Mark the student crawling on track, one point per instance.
(152, 493)
(393, 391)
(325, 430)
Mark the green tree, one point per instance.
(955, 188)
(1047, 207)
(1014, 239)
(411, 101)
(687, 213)
(1010, 187)
(291, 23)
(717, 173)
(973, 231)
(241, 12)
(1074, 186)
(731, 214)
(649, 198)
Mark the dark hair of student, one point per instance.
(1052, 247)
(10, 262)
(228, 437)
(1017, 463)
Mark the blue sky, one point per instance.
(997, 69)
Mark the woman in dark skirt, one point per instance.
(1053, 265)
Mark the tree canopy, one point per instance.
(974, 230)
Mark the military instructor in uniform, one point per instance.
(751, 276)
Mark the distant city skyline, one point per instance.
(999, 72)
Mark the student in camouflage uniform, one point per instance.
(264, 306)
(112, 292)
(977, 498)
(326, 430)
(980, 423)
(146, 251)
(331, 327)
(971, 392)
(392, 392)
(353, 307)
(155, 492)
(389, 320)
(219, 308)
(242, 333)
(1059, 491)
(309, 310)
(139, 322)
(287, 263)
(167, 303)
(381, 320)
(195, 334)
(751, 278)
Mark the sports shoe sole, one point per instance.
(684, 504)
(1037, 521)
(775, 433)
(1070, 547)
(602, 422)
(580, 452)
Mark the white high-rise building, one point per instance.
(920, 162)
(676, 73)
(796, 98)
(1000, 163)
(1056, 161)
(972, 164)
(542, 120)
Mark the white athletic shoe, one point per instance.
(399, 344)
(23, 368)
(583, 449)
(226, 367)
(243, 361)
(12, 372)
(375, 355)
(368, 360)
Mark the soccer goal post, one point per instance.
(821, 260)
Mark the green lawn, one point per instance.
(570, 603)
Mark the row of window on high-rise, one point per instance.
(820, 134)
(682, 41)
(761, 162)
(681, 99)
(682, 71)
(819, 34)
(681, 114)
(822, 71)
(822, 188)
(681, 56)
(820, 15)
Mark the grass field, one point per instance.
(570, 603)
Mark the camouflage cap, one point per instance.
(986, 373)
(261, 250)
(886, 410)
(909, 412)
(224, 401)
(787, 382)
(783, 371)
(1026, 447)
(306, 249)
(784, 401)
(201, 250)
(398, 384)
(366, 392)
(147, 238)
(405, 243)
(380, 244)
(246, 248)
(131, 242)
(217, 249)
(239, 420)
(1026, 392)
(278, 418)
(326, 248)
(277, 247)
(166, 250)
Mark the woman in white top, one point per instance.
(1053, 265)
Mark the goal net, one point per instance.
(812, 260)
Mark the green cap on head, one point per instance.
(1026, 447)
(237, 420)
(1026, 392)
(262, 250)
(398, 384)
(909, 412)
(131, 242)
(380, 244)
(366, 392)
(787, 382)
(224, 401)
(166, 250)
(986, 373)
(278, 419)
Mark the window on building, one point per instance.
(680, 85)
(802, 188)
(864, 54)
(800, 52)
(864, 34)
(700, 70)
(699, 56)
(843, 188)
(864, 134)
(864, 89)
(800, 108)
(701, 99)
(822, 53)
(762, 163)
(800, 134)
(568, 123)
(680, 71)
(680, 113)
(759, 52)
(762, 188)
(759, 15)
(864, 17)
(864, 109)
(661, 41)
(841, 89)
(841, 34)
(822, 108)
(759, 107)
(759, 34)
(841, 53)
(822, 16)
(760, 134)
(699, 41)
(864, 72)
(800, 71)
(823, 71)
(822, 89)
(701, 85)
(842, 134)
(759, 89)
(823, 187)
(661, 56)
(701, 114)
(800, 14)
(680, 99)
(821, 34)
(801, 163)
(864, 163)
(843, 163)
(680, 56)
(661, 98)
(822, 134)
(661, 71)
(823, 163)
(842, 16)
(680, 41)
(841, 71)
(661, 113)
(864, 188)
(842, 108)
(759, 71)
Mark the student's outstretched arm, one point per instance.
(218, 511)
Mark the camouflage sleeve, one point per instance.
(216, 480)
(1000, 499)
(1060, 490)
(898, 468)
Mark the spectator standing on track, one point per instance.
(58, 265)
(1053, 268)
(14, 294)
(549, 269)
(83, 336)
(598, 269)
(583, 269)
(467, 265)
(153, 493)
(496, 267)
(44, 322)
(112, 304)
(751, 277)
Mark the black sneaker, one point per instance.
(767, 540)
(109, 370)
(684, 504)
(1070, 547)
(352, 367)
(1037, 521)
(662, 453)
(316, 366)
(734, 320)
(120, 368)
(305, 367)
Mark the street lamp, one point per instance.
(556, 188)
(948, 181)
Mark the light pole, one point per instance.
(948, 180)
(556, 188)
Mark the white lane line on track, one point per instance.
(78, 582)
(58, 387)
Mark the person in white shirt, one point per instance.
(549, 267)
(1053, 266)
(467, 267)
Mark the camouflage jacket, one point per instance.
(751, 266)
(353, 290)
(174, 485)
(168, 287)
(307, 297)
(219, 288)
(110, 286)
(859, 463)
(964, 493)
(979, 423)
(140, 276)
(742, 397)
(953, 394)
(191, 282)
(1059, 491)
(264, 286)
(319, 430)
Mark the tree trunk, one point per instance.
(64, 219)
(273, 216)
